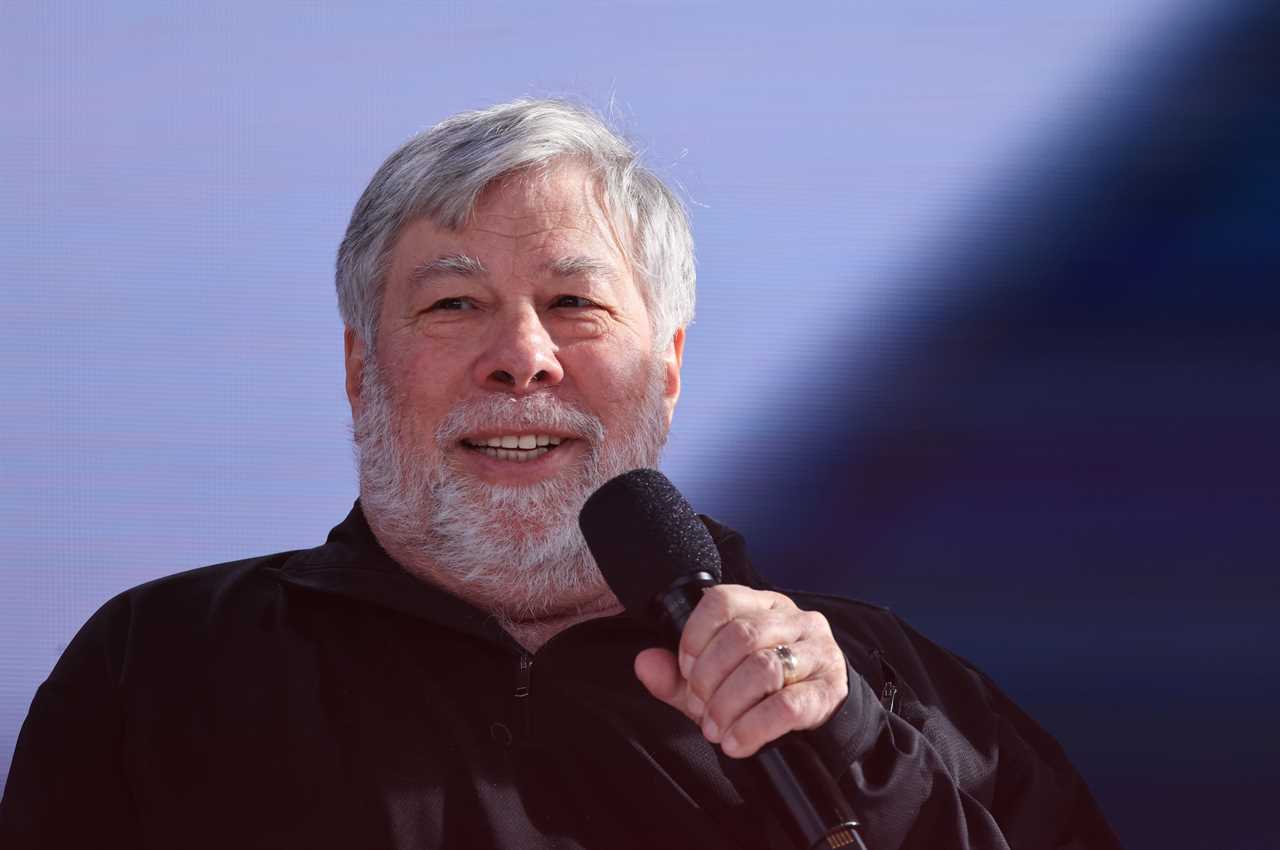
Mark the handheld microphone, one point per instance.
(657, 557)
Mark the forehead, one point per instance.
(561, 190)
(528, 216)
(544, 209)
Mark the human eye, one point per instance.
(573, 302)
(451, 305)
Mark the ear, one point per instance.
(353, 354)
(672, 359)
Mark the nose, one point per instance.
(520, 356)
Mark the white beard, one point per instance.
(515, 550)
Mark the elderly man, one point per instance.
(449, 669)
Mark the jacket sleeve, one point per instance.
(955, 763)
(66, 785)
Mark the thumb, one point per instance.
(657, 671)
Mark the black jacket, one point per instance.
(326, 698)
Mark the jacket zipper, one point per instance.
(889, 697)
(523, 677)
(889, 690)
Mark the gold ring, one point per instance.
(789, 664)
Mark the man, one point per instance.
(449, 668)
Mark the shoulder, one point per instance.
(170, 615)
(199, 589)
(940, 694)
(894, 657)
(878, 643)
(875, 627)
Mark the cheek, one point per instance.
(572, 328)
(417, 403)
(617, 384)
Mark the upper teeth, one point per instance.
(518, 441)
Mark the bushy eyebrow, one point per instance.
(580, 265)
(462, 265)
(450, 265)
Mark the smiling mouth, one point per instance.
(518, 448)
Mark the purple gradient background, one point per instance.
(987, 325)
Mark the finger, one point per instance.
(739, 640)
(719, 605)
(657, 671)
(760, 675)
(804, 705)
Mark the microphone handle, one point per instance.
(805, 797)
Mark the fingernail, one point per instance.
(730, 744)
(710, 730)
(696, 706)
(686, 664)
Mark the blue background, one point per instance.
(988, 324)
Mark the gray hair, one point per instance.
(439, 174)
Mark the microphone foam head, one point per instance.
(644, 536)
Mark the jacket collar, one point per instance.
(352, 563)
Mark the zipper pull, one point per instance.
(523, 676)
(889, 690)
(520, 712)
(889, 697)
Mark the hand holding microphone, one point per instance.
(663, 566)
(733, 677)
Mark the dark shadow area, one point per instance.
(1071, 478)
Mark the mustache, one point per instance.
(538, 412)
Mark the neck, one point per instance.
(529, 630)
(532, 634)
